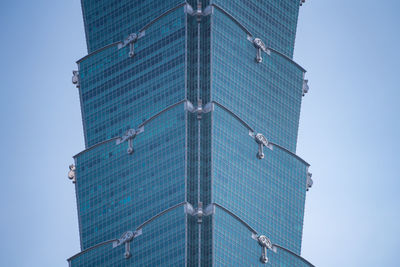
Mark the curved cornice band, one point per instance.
(233, 19)
(237, 22)
(162, 15)
(255, 232)
(161, 112)
(251, 229)
(137, 229)
(183, 101)
(97, 51)
(232, 214)
(291, 153)
(234, 115)
(91, 248)
(252, 130)
(294, 254)
(160, 214)
(141, 125)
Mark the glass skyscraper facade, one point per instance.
(190, 113)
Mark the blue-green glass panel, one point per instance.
(162, 243)
(266, 95)
(233, 245)
(268, 194)
(109, 21)
(119, 92)
(117, 191)
(275, 22)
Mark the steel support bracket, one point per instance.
(265, 244)
(261, 141)
(131, 40)
(200, 109)
(198, 12)
(126, 239)
(259, 44)
(129, 136)
(199, 212)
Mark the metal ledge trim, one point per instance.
(137, 229)
(141, 125)
(251, 35)
(141, 30)
(234, 115)
(91, 248)
(251, 129)
(255, 232)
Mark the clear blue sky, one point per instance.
(349, 131)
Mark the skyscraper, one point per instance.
(190, 113)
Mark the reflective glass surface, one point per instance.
(109, 21)
(267, 95)
(188, 155)
(156, 246)
(268, 194)
(119, 92)
(275, 22)
(117, 191)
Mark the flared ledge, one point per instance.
(184, 101)
(237, 22)
(137, 230)
(91, 248)
(188, 210)
(141, 30)
(253, 131)
(255, 235)
(140, 126)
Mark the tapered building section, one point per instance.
(190, 113)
